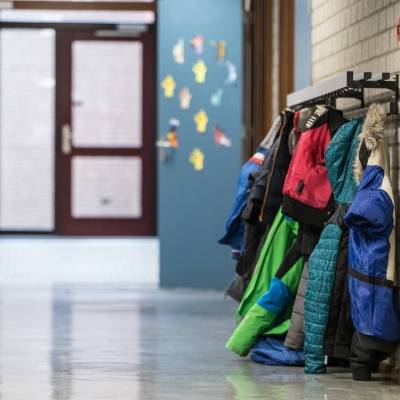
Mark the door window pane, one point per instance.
(107, 94)
(106, 187)
(27, 84)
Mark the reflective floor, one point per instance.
(123, 342)
(50, 260)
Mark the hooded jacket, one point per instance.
(371, 220)
(266, 193)
(234, 228)
(307, 193)
(256, 227)
(340, 156)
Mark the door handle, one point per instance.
(66, 139)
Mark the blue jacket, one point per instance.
(234, 227)
(371, 219)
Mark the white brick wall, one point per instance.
(355, 35)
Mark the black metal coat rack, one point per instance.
(346, 85)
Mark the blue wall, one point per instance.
(302, 44)
(193, 205)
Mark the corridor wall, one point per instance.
(199, 50)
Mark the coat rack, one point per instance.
(346, 85)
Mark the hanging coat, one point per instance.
(265, 186)
(234, 229)
(295, 336)
(307, 193)
(266, 193)
(253, 235)
(372, 267)
(261, 307)
(280, 238)
(340, 329)
(340, 156)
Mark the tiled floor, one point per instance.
(110, 342)
(71, 331)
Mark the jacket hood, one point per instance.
(272, 134)
(339, 157)
(302, 117)
(372, 135)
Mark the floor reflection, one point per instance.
(61, 345)
(88, 342)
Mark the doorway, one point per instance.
(105, 147)
(95, 114)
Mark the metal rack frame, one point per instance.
(346, 85)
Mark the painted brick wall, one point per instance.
(354, 35)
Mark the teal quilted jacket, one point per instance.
(339, 159)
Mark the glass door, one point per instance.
(105, 135)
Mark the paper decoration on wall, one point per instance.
(201, 121)
(178, 51)
(220, 137)
(172, 134)
(200, 71)
(197, 43)
(216, 97)
(168, 84)
(185, 97)
(232, 73)
(197, 159)
(221, 49)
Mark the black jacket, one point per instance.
(263, 204)
(266, 193)
(340, 328)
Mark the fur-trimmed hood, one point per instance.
(372, 135)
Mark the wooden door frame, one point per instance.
(63, 223)
(83, 5)
(258, 66)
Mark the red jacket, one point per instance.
(307, 192)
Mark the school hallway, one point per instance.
(199, 200)
(124, 341)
